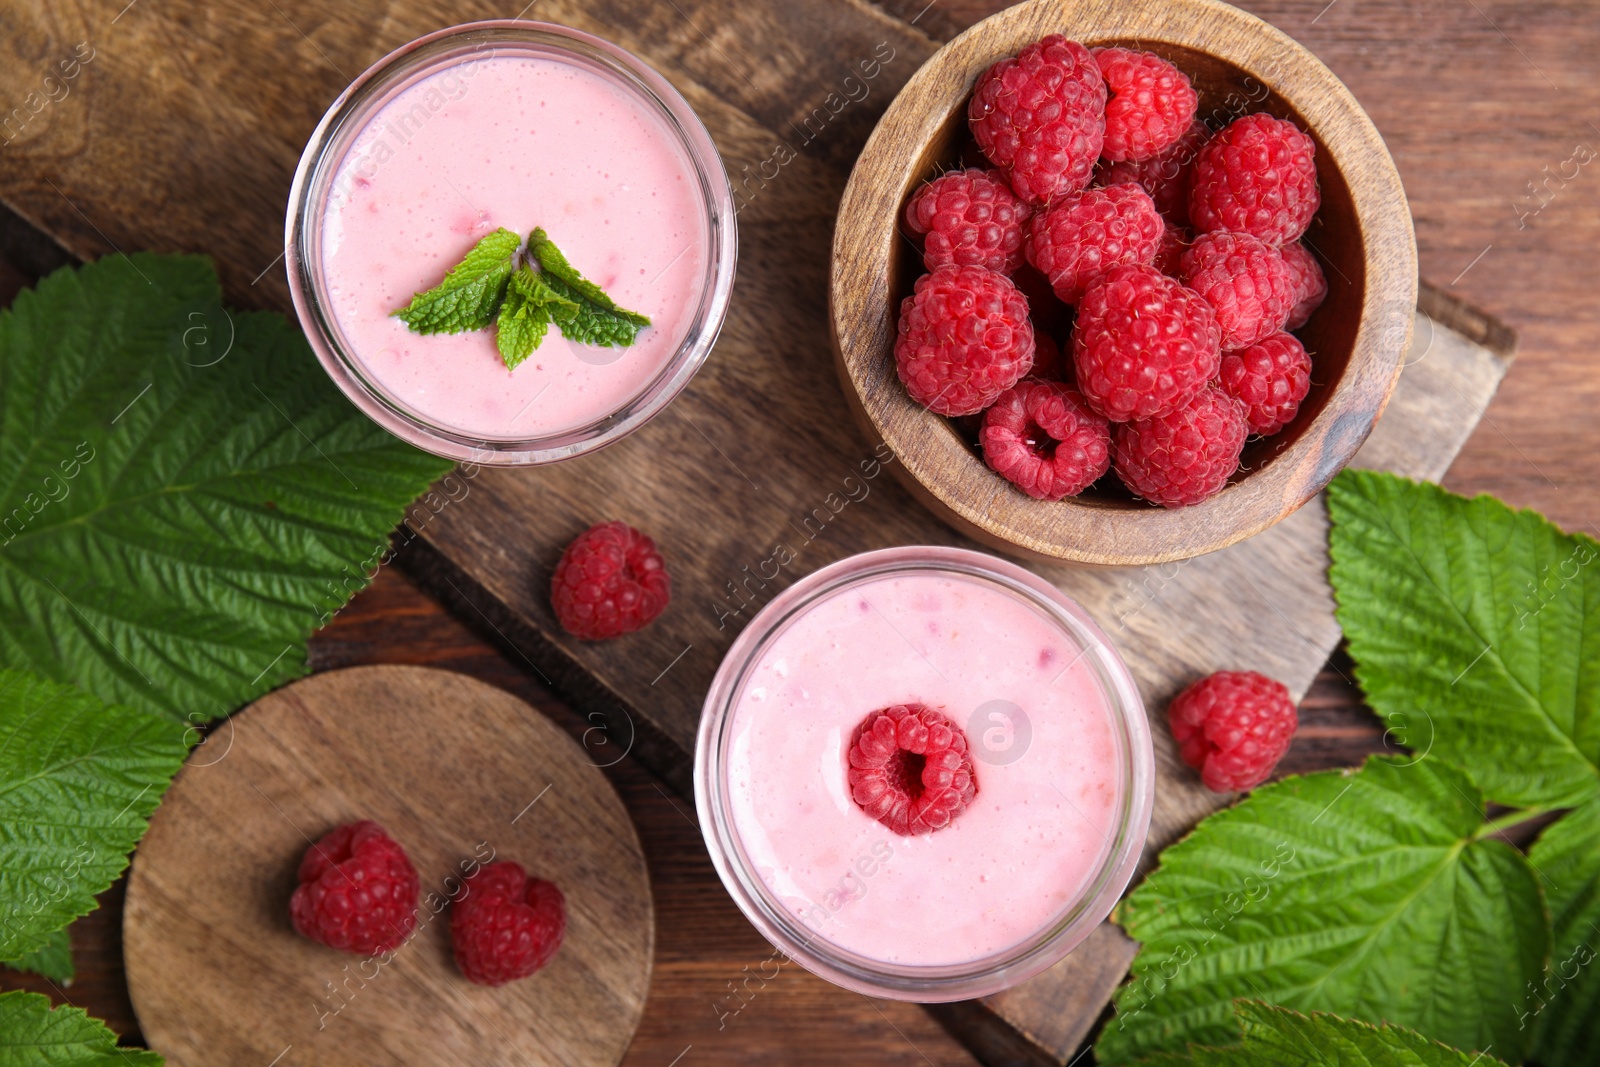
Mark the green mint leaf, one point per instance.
(53, 959)
(1275, 1037)
(471, 292)
(1566, 1002)
(593, 318)
(184, 494)
(526, 315)
(1475, 630)
(34, 1034)
(78, 779)
(1364, 893)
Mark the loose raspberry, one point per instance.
(506, 925)
(1245, 280)
(357, 891)
(909, 769)
(1041, 437)
(1082, 235)
(1175, 241)
(610, 581)
(1233, 727)
(1269, 378)
(1165, 176)
(1149, 106)
(1143, 344)
(965, 338)
(1310, 286)
(968, 218)
(1185, 456)
(1040, 118)
(1258, 176)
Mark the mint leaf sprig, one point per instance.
(490, 287)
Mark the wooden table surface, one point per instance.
(1492, 111)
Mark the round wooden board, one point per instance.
(452, 768)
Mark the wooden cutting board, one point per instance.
(457, 771)
(182, 133)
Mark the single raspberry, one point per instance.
(909, 769)
(1040, 117)
(968, 218)
(1233, 727)
(1269, 378)
(357, 891)
(506, 925)
(1143, 344)
(1041, 437)
(1082, 235)
(1175, 241)
(1185, 456)
(1245, 280)
(610, 581)
(1048, 362)
(1310, 285)
(1258, 176)
(1165, 176)
(965, 338)
(1150, 103)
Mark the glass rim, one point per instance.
(347, 116)
(925, 983)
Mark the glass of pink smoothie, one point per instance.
(517, 125)
(1056, 739)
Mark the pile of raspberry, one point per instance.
(1118, 286)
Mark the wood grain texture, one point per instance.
(1362, 234)
(459, 772)
(1418, 68)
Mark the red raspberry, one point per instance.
(610, 581)
(1048, 362)
(1175, 241)
(1233, 727)
(968, 218)
(1165, 176)
(965, 338)
(1143, 345)
(1245, 280)
(1150, 106)
(1041, 437)
(1185, 456)
(1040, 118)
(357, 891)
(1310, 286)
(1269, 378)
(1084, 234)
(1258, 176)
(506, 925)
(909, 769)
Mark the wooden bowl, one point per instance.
(1362, 235)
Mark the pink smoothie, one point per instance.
(1004, 869)
(519, 141)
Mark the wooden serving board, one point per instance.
(182, 134)
(458, 772)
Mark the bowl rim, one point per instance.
(940, 468)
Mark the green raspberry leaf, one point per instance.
(1363, 893)
(32, 1034)
(526, 315)
(592, 318)
(53, 959)
(1470, 627)
(1566, 1001)
(78, 779)
(471, 292)
(184, 494)
(1274, 1037)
